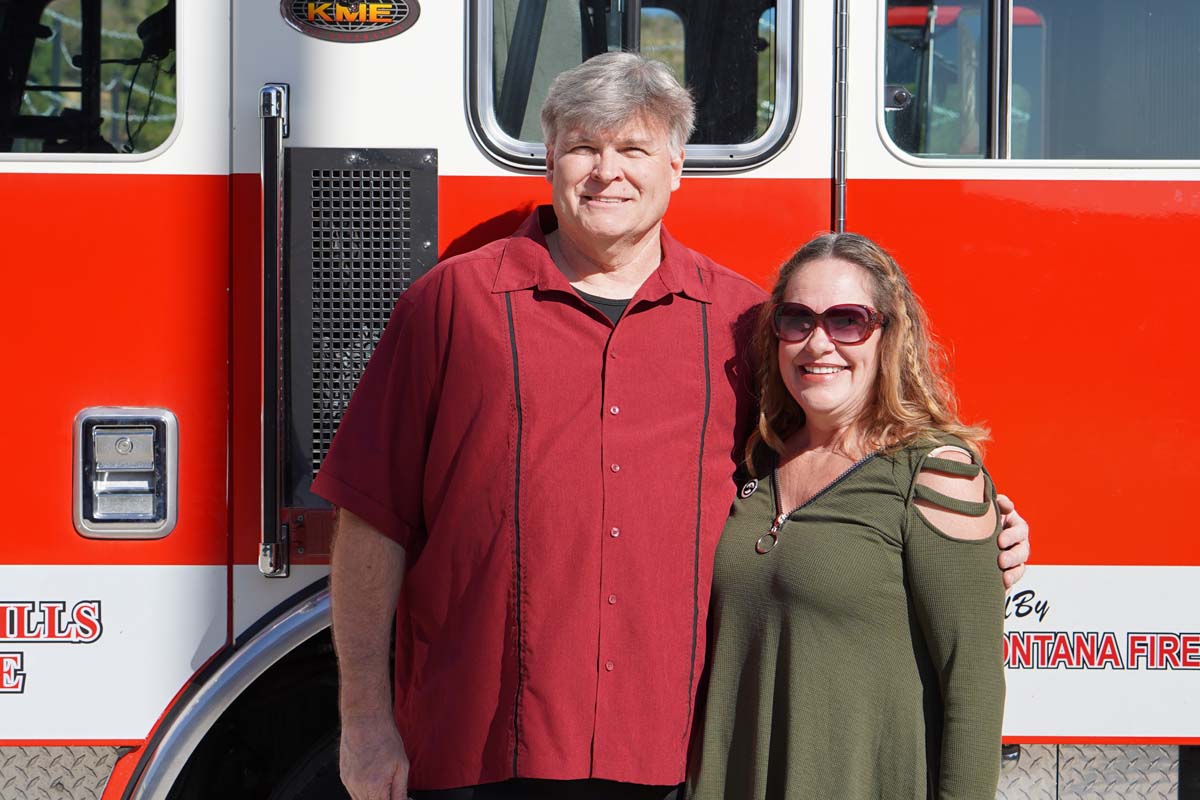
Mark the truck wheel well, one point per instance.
(257, 741)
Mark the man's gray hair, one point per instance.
(611, 89)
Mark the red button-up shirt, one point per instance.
(559, 485)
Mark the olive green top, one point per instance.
(861, 655)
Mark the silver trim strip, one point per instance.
(841, 38)
(708, 157)
(995, 82)
(1004, 68)
(194, 719)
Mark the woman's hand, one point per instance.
(1013, 541)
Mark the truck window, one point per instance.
(727, 54)
(939, 53)
(1088, 79)
(85, 76)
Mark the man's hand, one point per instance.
(1013, 541)
(373, 763)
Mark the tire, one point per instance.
(315, 774)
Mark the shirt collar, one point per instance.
(526, 263)
(678, 273)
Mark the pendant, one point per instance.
(766, 542)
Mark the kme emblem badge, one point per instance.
(345, 21)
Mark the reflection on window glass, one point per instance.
(1028, 113)
(662, 38)
(724, 52)
(531, 44)
(1121, 78)
(766, 70)
(940, 54)
(84, 76)
(1090, 79)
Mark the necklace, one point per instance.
(766, 543)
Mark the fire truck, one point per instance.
(209, 210)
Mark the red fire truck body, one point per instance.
(190, 314)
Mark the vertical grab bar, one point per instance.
(841, 44)
(273, 114)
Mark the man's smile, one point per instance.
(589, 198)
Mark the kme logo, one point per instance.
(346, 21)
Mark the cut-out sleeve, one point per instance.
(958, 598)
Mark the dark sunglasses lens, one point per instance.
(793, 322)
(847, 324)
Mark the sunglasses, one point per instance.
(845, 324)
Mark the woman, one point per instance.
(856, 616)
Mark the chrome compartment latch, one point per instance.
(126, 473)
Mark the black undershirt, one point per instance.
(613, 309)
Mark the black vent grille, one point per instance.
(362, 242)
(362, 226)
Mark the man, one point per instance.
(534, 473)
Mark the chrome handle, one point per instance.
(126, 475)
(273, 114)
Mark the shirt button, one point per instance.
(612, 599)
(615, 467)
(615, 532)
(615, 410)
(608, 665)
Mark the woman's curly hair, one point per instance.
(913, 401)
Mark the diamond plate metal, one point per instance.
(1033, 777)
(1091, 772)
(55, 773)
(1115, 773)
